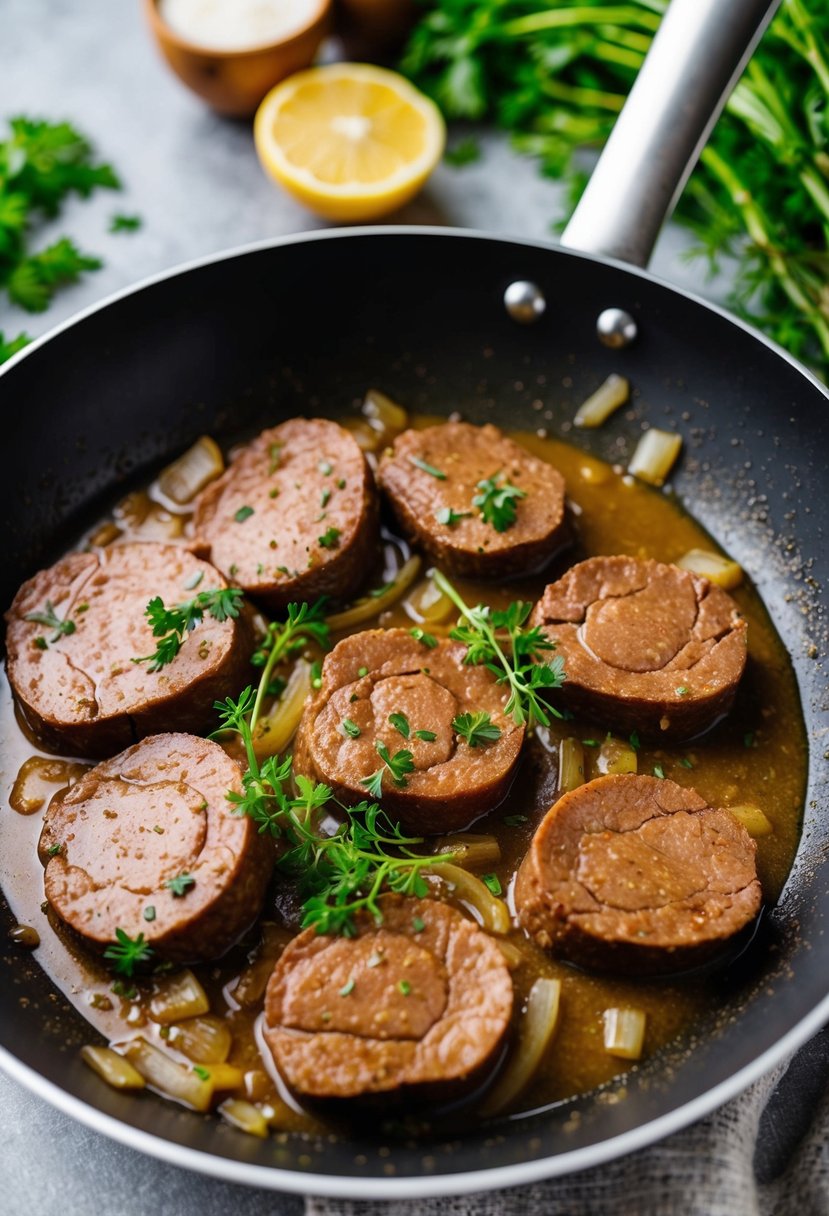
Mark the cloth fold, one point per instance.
(766, 1153)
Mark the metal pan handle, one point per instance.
(695, 59)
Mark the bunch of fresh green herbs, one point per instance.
(556, 77)
(41, 163)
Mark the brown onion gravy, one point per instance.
(758, 756)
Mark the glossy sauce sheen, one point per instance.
(757, 756)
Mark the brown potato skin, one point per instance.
(452, 783)
(438, 1036)
(84, 695)
(113, 861)
(288, 521)
(468, 454)
(607, 848)
(646, 646)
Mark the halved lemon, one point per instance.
(349, 140)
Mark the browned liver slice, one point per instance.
(152, 813)
(422, 999)
(637, 874)
(82, 693)
(465, 455)
(646, 646)
(452, 783)
(294, 516)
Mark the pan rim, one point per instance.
(346, 1186)
(354, 1186)
(413, 230)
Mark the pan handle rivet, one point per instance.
(616, 328)
(524, 301)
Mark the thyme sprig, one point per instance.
(339, 872)
(500, 641)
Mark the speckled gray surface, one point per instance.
(195, 180)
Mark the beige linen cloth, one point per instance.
(766, 1153)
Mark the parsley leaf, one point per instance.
(398, 765)
(330, 539)
(181, 884)
(125, 223)
(401, 724)
(10, 346)
(428, 736)
(448, 516)
(477, 729)
(498, 503)
(127, 953)
(426, 639)
(242, 514)
(171, 625)
(350, 728)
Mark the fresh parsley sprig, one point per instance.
(305, 624)
(498, 502)
(340, 873)
(398, 766)
(514, 654)
(170, 625)
(476, 729)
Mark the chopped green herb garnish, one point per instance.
(201, 1072)
(634, 740)
(41, 643)
(404, 987)
(498, 504)
(316, 674)
(591, 743)
(348, 987)
(428, 736)
(50, 618)
(418, 924)
(427, 468)
(426, 639)
(446, 515)
(514, 821)
(350, 728)
(658, 771)
(401, 724)
(242, 514)
(125, 223)
(181, 884)
(171, 625)
(128, 991)
(325, 498)
(127, 953)
(398, 765)
(325, 467)
(517, 662)
(233, 569)
(330, 539)
(686, 763)
(275, 454)
(492, 882)
(54, 849)
(149, 912)
(477, 729)
(681, 690)
(374, 783)
(340, 483)
(362, 671)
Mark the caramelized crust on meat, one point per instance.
(646, 646)
(637, 874)
(464, 455)
(422, 999)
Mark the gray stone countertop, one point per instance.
(195, 181)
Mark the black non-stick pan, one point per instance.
(305, 325)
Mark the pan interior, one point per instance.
(303, 328)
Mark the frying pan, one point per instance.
(305, 325)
